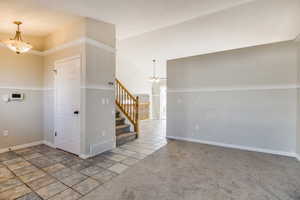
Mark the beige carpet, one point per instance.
(183, 170)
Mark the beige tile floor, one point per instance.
(41, 172)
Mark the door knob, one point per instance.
(76, 112)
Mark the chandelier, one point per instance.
(154, 77)
(17, 44)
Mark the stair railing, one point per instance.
(128, 104)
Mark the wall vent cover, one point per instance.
(96, 149)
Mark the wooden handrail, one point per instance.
(128, 104)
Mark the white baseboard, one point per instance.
(96, 149)
(298, 157)
(281, 153)
(84, 156)
(50, 144)
(22, 146)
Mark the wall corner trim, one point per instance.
(21, 88)
(83, 40)
(230, 89)
(100, 45)
(98, 87)
(21, 146)
(232, 146)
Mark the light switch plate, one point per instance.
(103, 133)
(5, 98)
(5, 133)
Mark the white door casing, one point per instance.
(163, 102)
(67, 104)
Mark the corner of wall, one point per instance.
(99, 68)
(66, 34)
(298, 100)
(101, 31)
(95, 149)
(50, 144)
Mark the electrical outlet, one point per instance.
(179, 101)
(5, 133)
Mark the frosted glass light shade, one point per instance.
(18, 46)
(154, 79)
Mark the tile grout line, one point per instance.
(82, 195)
(17, 177)
(40, 168)
(68, 187)
(145, 144)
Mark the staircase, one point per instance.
(127, 106)
(123, 132)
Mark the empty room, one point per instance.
(149, 100)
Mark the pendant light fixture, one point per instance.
(154, 78)
(17, 44)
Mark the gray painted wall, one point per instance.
(233, 97)
(100, 131)
(23, 120)
(298, 125)
(99, 100)
(298, 101)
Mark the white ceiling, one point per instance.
(37, 21)
(132, 17)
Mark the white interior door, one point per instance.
(67, 109)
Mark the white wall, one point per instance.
(245, 97)
(258, 22)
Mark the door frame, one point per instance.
(163, 103)
(56, 62)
